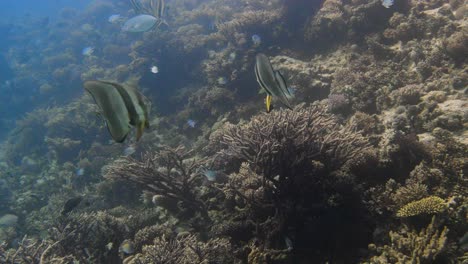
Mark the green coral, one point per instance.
(411, 246)
(428, 205)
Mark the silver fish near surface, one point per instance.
(153, 8)
(114, 18)
(140, 23)
(271, 81)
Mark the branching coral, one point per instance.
(85, 237)
(167, 172)
(258, 255)
(410, 246)
(184, 249)
(293, 165)
(277, 143)
(28, 251)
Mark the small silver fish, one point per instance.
(222, 80)
(387, 3)
(109, 246)
(129, 150)
(114, 18)
(88, 51)
(209, 174)
(80, 171)
(140, 23)
(191, 123)
(232, 56)
(256, 39)
(289, 243)
(154, 69)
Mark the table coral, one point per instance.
(428, 205)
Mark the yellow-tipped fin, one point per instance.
(268, 103)
(139, 132)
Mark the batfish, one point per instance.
(121, 107)
(272, 82)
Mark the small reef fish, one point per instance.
(109, 246)
(222, 80)
(271, 81)
(289, 243)
(127, 247)
(232, 56)
(209, 174)
(256, 39)
(191, 123)
(71, 204)
(212, 25)
(87, 27)
(80, 171)
(129, 150)
(88, 51)
(387, 3)
(154, 69)
(114, 18)
(292, 92)
(8, 220)
(121, 106)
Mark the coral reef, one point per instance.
(369, 167)
(412, 246)
(169, 173)
(184, 249)
(428, 205)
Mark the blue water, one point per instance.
(25, 30)
(17, 9)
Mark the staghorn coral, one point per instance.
(274, 144)
(29, 250)
(411, 246)
(146, 235)
(428, 205)
(91, 237)
(258, 255)
(184, 249)
(168, 172)
(287, 158)
(248, 185)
